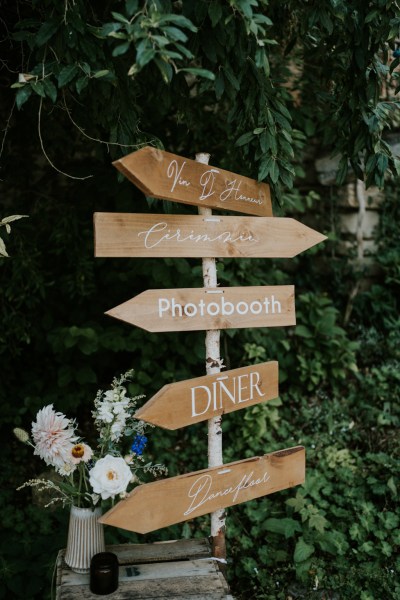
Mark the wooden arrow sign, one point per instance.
(163, 503)
(192, 309)
(163, 175)
(187, 402)
(141, 235)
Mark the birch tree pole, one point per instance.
(213, 365)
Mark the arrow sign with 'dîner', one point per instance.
(141, 235)
(187, 402)
(193, 309)
(163, 503)
(163, 175)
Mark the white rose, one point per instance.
(110, 476)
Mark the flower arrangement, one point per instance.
(87, 475)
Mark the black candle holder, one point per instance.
(104, 573)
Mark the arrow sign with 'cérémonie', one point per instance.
(193, 309)
(187, 402)
(191, 236)
(164, 175)
(162, 503)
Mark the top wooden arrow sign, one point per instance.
(164, 175)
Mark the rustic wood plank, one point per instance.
(147, 235)
(171, 550)
(178, 562)
(164, 175)
(187, 402)
(207, 588)
(140, 572)
(192, 309)
(162, 503)
(194, 579)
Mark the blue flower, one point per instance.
(138, 444)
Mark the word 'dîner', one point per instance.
(172, 308)
(242, 388)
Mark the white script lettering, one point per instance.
(200, 491)
(207, 183)
(159, 233)
(175, 172)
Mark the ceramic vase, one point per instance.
(85, 538)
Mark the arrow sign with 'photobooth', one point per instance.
(193, 309)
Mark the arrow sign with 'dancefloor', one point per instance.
(192, 309)
(130, 235)
(164, 175)
(163, 503)
(187, 402)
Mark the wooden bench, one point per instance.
(175, 570)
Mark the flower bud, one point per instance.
(21, 434)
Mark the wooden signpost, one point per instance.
(146, 235)
(192, 309)
(164, 175)
(187, 402)
(155, 505)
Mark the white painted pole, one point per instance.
(213, 365)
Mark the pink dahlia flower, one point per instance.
(54, 436)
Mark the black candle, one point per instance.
(104, 573)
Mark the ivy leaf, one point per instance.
(81, 84)
(287, 527)
(118, 17)
(47, 30)
(175, 34)
(215, 12)
(245, 138)
(38, 88)
(50, 89)
(303, 550)
(121, 49)
(66, 75)
(131, 7)
(178, 20)
(200, 72)
(303, 331)
(318, 522)
(22, 95)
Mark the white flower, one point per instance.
(66, 469)
(54, 436)
(117, 429)
(110, 476)
(80, 452)
(104, 412)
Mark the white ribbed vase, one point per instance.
(85, 538)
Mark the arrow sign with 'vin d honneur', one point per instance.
(193, 309)
(162, 503)
(187, 402)
(164, 175)
(191, 236)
